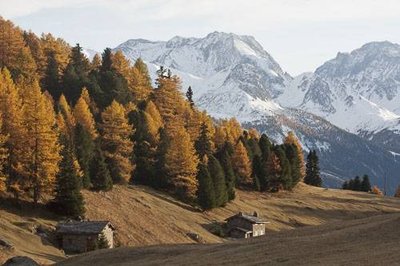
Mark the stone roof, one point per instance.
(84, 227)
(241, 230)
(252, 219)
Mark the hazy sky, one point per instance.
(299, 34)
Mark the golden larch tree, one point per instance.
(69, 119)
(3, 158)
(116, 142)
(153, 120)
(35, 45)
(96, 62)
(181, 162)
(139, 81)
(11, 110)
(121, 64)
(59, 47)
(274, 170)
(292, 139)
(227, 130)
(43, 156)
(84, 117)
(169, 99)
(92, 105)
(11, 45)
(241, 164)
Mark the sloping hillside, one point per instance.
(143, 216)
(368, 241)
(146, 217)
(27, 229)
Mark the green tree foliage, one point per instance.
(285, 177)
(51, 79)
(205, 193)
(189, 96)
(365, 184)
(84, 146)
(112, 84)
(68, 200)
(224, 157)
(99, 174)
(203, 144)
(357, 184)
(295, 164)
(76, 75)
(258, 174)
(218, 178)
(312, 170)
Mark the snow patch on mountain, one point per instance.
(357, 91)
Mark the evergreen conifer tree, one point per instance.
(51, 79)
(357, 184)
(189, 96)
(99, 173)
(295, 165)
(224, 157)
(84, 146)
(259, 175)
(365, 184)
(218, 178)
(312, 170)
(68, 200)
(205, 193)
(203, 144)
(274, 171)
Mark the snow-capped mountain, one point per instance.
(357, 91)
(233, 76)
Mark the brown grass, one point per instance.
(368, 241)
(145, 217)
(18, 225)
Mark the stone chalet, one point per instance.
(245, 226)
(83, 236)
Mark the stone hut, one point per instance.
(245, 226)
(83, 236)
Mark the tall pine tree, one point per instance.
(218, 178)
(312, 170)
(205, 193)
(99, 173)
(68, 199)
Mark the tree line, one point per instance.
(68, 124)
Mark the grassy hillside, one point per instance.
(143, 216)
(146, 217)
(25, 228)
(368, 241)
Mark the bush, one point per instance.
(376, 191)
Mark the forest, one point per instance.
(68, 123)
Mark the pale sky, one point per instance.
(299, 34)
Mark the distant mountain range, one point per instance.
(347, 109)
